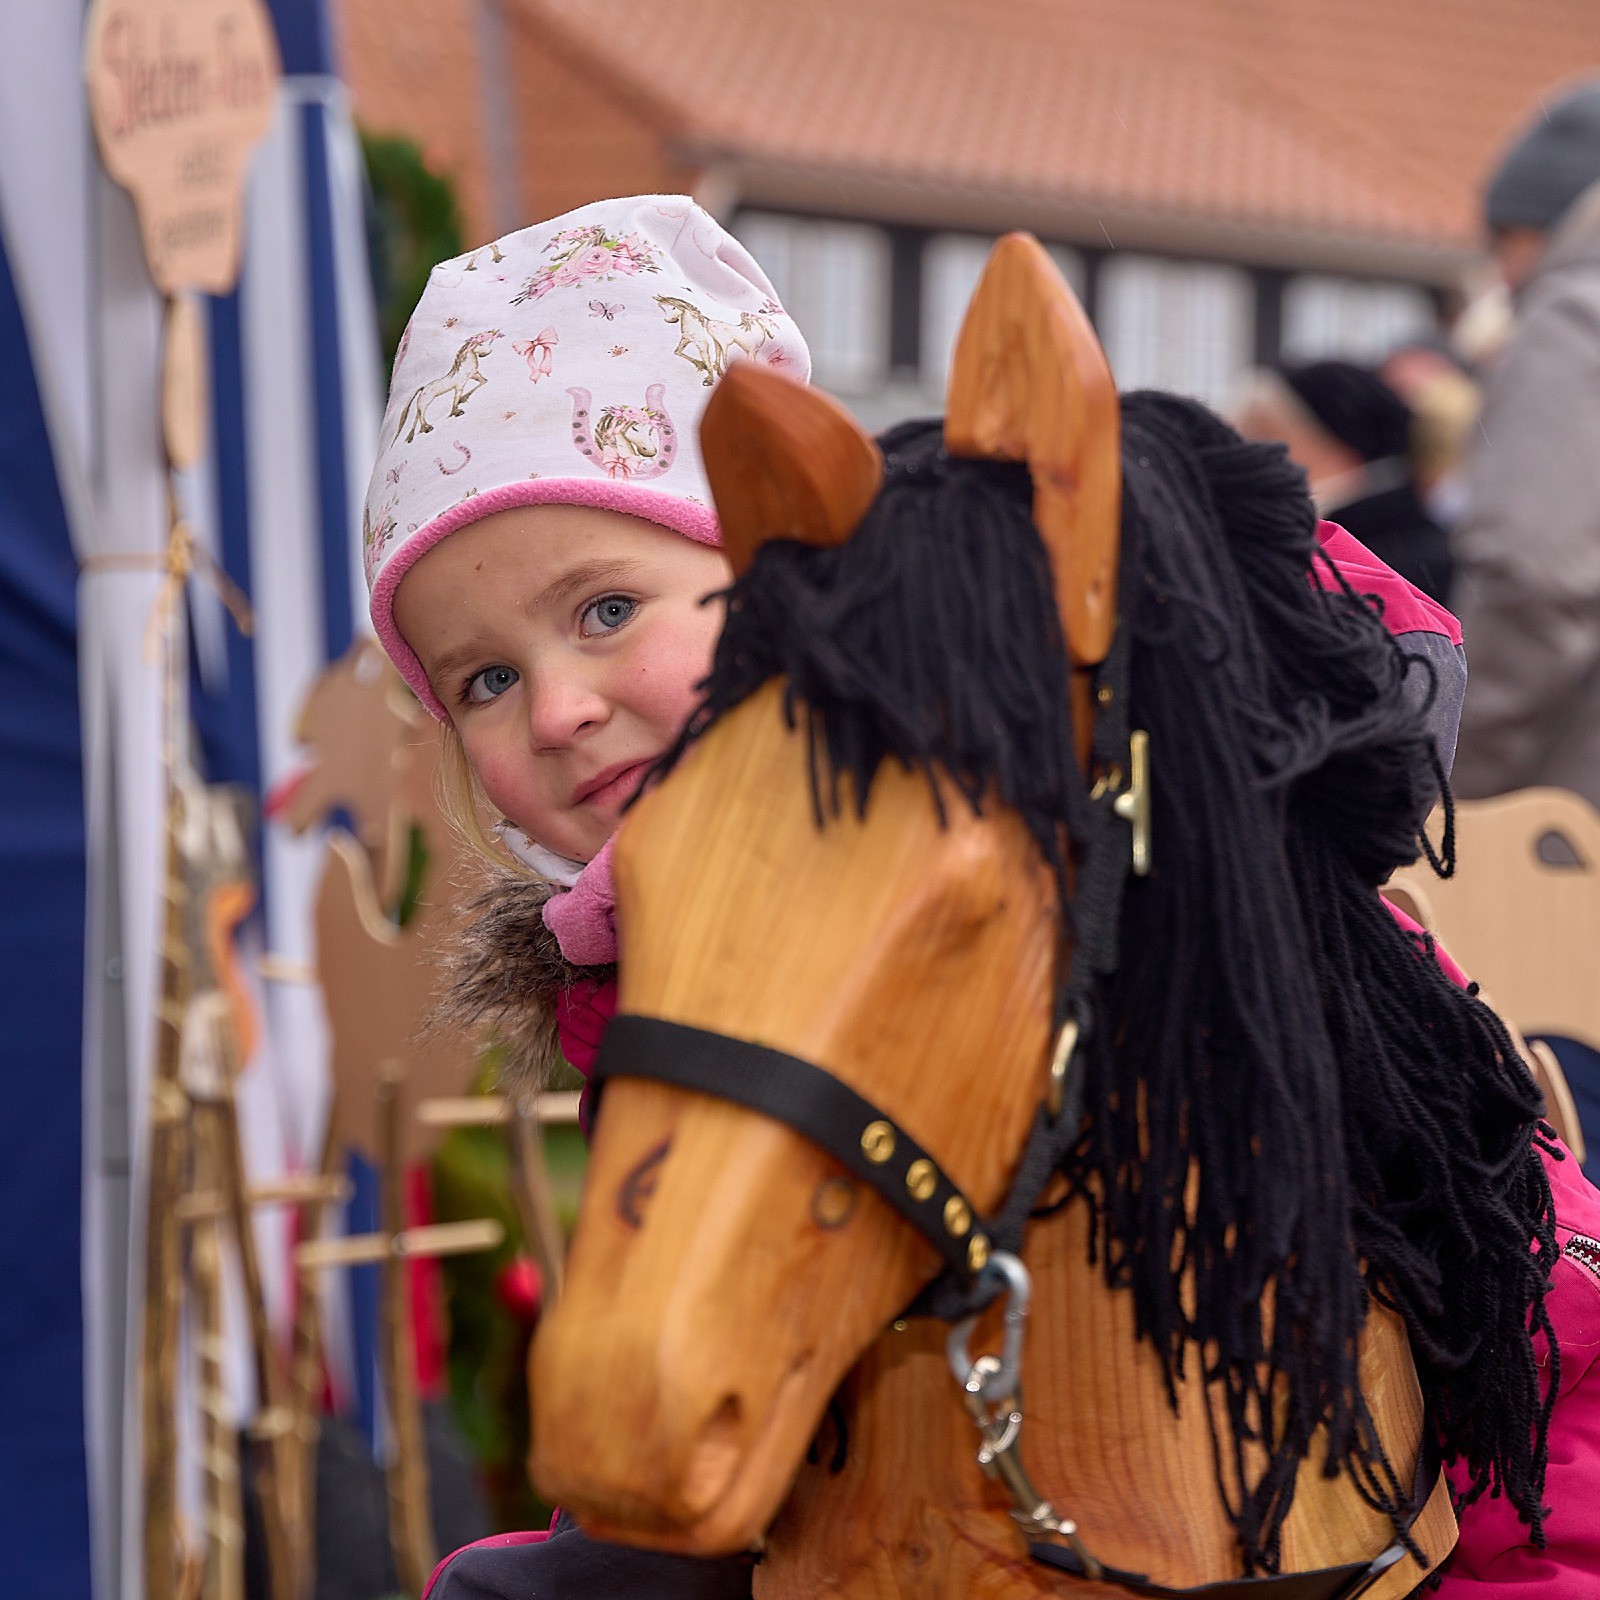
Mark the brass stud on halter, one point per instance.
(922, 1178)
(877, 1142)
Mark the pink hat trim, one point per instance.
(688, 517)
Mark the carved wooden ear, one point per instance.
(1029, 382)
(784, 461)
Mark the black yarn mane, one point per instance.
(1289, 1104)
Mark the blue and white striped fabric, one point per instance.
(297, 392)
(294, 435)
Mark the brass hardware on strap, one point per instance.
(1131, 797)
(877, 1142)
(1066, 1044)
(1133, 804)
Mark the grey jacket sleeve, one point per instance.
(1528, 572)
(1439, 692)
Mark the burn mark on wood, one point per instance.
(639, 1186)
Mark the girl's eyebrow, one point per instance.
(450, 663)
(601, 570)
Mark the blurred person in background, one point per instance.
(1352, 434)
(1528, 551)
(1445, 400)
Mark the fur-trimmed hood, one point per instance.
(504, 973)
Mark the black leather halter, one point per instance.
(859, 1136)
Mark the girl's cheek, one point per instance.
(498, 774)
(674, 661)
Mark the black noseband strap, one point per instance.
(818, 1107)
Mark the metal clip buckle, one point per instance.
(1133, 804)
(991, 1387)
(997, 1381)
(1060, 1060)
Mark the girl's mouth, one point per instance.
(612, 786)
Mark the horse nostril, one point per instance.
(714, 1457)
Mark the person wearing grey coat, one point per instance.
(1527, 588)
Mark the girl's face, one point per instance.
(566, 643)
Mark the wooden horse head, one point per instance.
(845, 899)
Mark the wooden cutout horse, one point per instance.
(356, 725)
(795, 952)
(1521, 914)
(375, 754)
(1522, 911)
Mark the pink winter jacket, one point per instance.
(1494, 1560)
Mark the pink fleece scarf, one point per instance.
(584, 917)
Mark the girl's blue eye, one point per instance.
(607, 614)
(490, 684)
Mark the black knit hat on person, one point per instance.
(1550, 165)
(1355, 405)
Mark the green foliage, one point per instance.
(415, 223)
(416, 875)
(488, 1348)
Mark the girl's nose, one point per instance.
(560, 707)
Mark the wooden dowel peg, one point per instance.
(275, 1422)
(301, 1188)
(364, 1249)
(357, 1250)
(463, 1111)
(556, 1107)
(206, 1206)
(285, 969)
(450, 1238)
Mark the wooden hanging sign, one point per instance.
(181, 91)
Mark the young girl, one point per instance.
(539, 543)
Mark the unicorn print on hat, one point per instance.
(632, 442)
(461, 382)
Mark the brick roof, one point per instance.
(1372, 119)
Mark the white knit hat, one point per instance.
(567, 364)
